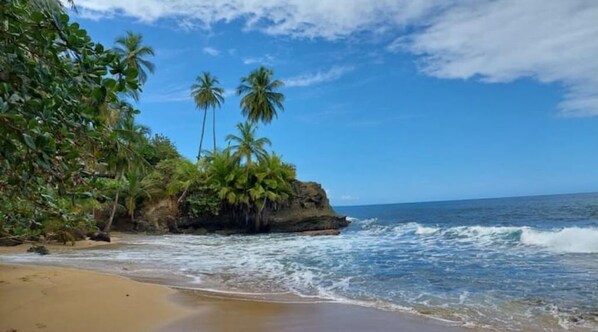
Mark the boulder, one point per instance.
(39, 250)
(99, 236)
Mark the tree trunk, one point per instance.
(203, 127)
(260, 216)
(109, 224)
(182, 196)
(214, 127)
(134, 221)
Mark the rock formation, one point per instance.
(307, 210)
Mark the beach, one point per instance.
(50, 298)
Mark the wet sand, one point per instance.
(219, 313)
(39, 298)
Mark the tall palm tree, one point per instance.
(206, 94)
(133, 54)
(260, 101)
(123, 157)
(246, 144)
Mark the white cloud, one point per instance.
(348, 198)
(265, 60)
(551, 41)
(168, 94)
(331, 74)
(300, 18)
(211, 51)
(501, 41)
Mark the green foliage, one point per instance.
(58, 89)
(202, 201)
(246, 144)
(69, 139)
(260, 101)
(158, 148)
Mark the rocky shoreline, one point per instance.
(307, 210)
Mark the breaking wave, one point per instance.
(562, 240)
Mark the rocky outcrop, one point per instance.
(307, 210)
(161, 216)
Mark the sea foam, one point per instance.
(566, 240)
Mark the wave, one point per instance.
(561, 240)
(566, 240)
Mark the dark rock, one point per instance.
(10, 242)
(320, 233)
(100, 236)
(39, 250)
(308, 210)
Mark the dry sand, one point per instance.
(34, 298)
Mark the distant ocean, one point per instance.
(527, 263)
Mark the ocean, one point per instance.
(517, 264)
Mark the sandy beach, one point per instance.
(46, 298)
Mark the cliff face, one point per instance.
(307, 210)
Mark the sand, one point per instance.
(39, 298)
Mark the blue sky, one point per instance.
(387, 101)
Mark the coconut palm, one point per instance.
(133, 54)
(271, 184)
(206, 94)
(246, 144)
(260, 101)
(134, 188)
(122, 156)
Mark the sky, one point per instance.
(386, 101)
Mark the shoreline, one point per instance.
(71, 305)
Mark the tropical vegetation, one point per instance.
(73, 157)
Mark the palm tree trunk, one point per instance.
(109, 224)
(182, 196)
(214, 126)
(203, 127)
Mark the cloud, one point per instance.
(169, 94)
(265, 60)
(299, 18)
(551, 41)
(331, 74)
(502, 41)
(211, 51)
(348, 198)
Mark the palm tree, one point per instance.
(123, 157)
(246, 144)
(134, 188)
(260, 100)
(206, 94)
(271, 183)
(133, 54)
(185, 175)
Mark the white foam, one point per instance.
(566, 240)
(422, 230)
